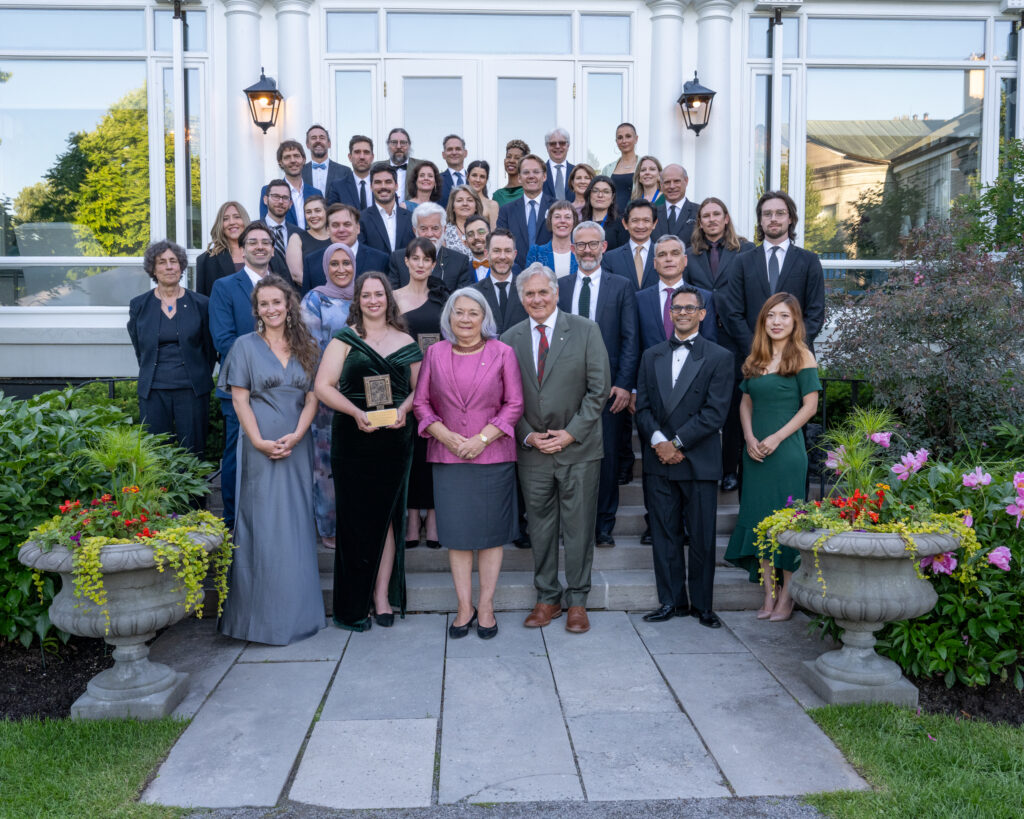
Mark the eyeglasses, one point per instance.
(399, 143)
(558, 144)
(280, 197)
(778, 214)
(588, 245)
(258, 243)
(689, 309)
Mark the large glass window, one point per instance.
(352, 32)
(863, 38)
(72, 30)
(884, 161)
(604, 34)
(354, 97)
(604, 112)
(193, 238)
(760, 43)
(526, 110)
(482, 33)
(422, 97)
(195, 30)
(763, 132)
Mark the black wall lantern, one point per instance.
(695, 102)
(264, 102)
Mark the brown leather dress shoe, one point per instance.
(577, 621)
(542, 614)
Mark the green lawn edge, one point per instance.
(82, 768)
(923, 765)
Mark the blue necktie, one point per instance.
(458, 178)
(531, 222)
(320, 166)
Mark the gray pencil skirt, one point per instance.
(476, 505)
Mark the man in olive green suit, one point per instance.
(566, 383)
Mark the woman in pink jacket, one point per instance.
(468, 399)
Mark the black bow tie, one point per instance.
(675, 343)
(401, 167)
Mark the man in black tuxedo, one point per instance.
(608, 300)
(354, 189)
(710, 264)
(322, 172)
(384, 225)
(556, 185)
(683, 395)
(677, 214)
(452, 267)
(499, 286)
(525, 216)
(775, 266)
(453, 149)
(635, 260)
(343, 226)
(399, 146)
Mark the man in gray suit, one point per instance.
(566, 381)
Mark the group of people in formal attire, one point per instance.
(404, 359)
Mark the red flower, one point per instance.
(145, 532)
(143, 518)
(114, 514)
(95, 502)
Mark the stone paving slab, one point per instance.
(391, 673)
(761, 738)
(503, 737)
(685, 635)
(368, 764)
(195, 647)
(241, 746)
(327, 644)
(633, 756)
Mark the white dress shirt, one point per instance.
(540, 211)
(645, 248)
(297, 202)
(390, 222)
(319, 176)
(455, 180)
(664, 290)
(400, 190)
(679, 356)
(783, 246)
(252, 274)
(364, 180)
(595, 286)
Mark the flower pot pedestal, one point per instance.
(141, 599)
(870, 580)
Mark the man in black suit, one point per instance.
(354, 189)
(634, 261)
(677, 214)
(556, 185)
(525, 216)
(277, 199)
(384, 225)
(608, 300)
(683, 395)
(343, 225)
(710, 264)
(775, 266)
(499, 286)
(321, 171)
(453, 149)
(452, 267)
(399, 146)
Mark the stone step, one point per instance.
(616, 590)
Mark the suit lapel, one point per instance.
(523, 345)
(724, 257)
(565, 293)
(488, 357)
(491, 294)
(663, 373)
(555, 344)
(694, 361)
(788, 265)
(761, 273)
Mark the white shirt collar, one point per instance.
(549, 322)
(535, 199)
(594, 277)
(384, 214)
(783, 246)
(272, 222)
(664, 287)
(633, 246)
(252, 274)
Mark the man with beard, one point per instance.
(321, 171)
(399, 145)
(452, 267)
(384, 225)
(291, 159)
(354, 189)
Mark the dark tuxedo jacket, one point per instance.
(373, 232)
(694, 408)
(616, 317)
(650, 318)
(453, 268)
(685, 222)
(346, 191)
(367, 258)
(447, 183)
(698, 273)
(209, 268)
(748, 290)
(513, 217)
(620, 262)
(335, 172)
(307, 191)
(549, 183)
(514, 310)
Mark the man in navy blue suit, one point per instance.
(384, 225)
(231, 316)
(653, 304)
(354, 189)
(557, 183)
(291, 159)
(321, 171)
(609, 300)
(453, 148)
(343, 225)
(525, 216)
(634, 261)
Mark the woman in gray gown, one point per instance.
(274, 585)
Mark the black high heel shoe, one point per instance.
(384, 620)
(457, 632)
(487, 632)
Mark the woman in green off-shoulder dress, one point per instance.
(780, 395)
(370, 464)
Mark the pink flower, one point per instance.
(940, 564)
(834, 460)
(1016, 509)
(968, 520)
(976, 478)
(881, 438)
(1000, 557)
(909, 464)
(1018, 482)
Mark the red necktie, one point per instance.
(542, 352)
(666, 314)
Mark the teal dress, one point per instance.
(767, 486)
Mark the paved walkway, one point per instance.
(405, 718)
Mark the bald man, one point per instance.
(677, 214)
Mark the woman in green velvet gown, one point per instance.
(370, 464)
(780, 395)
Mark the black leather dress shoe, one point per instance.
(624, 478)
(646, 539)
(605, 539)
(706, 618)
(731, 482)
(522, 542)
(660, 614)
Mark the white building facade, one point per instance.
(873, 115)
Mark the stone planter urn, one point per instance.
(140, 600)
(870, 580)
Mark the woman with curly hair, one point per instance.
(371, 463)
(515, 150)
(274, 581)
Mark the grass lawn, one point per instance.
(81, 769)
(924, 766)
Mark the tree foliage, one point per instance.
(881, 217)
(995, 216)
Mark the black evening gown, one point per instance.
(424, 319)
(371, 474)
